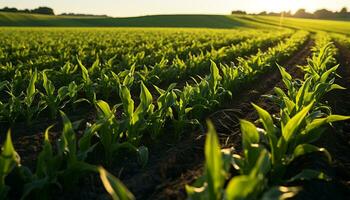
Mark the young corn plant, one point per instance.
(69, 94)
(211, 185)
(134, 120)
(128, 75)
(182, 109)
(2, 111)
(11, 110)
(74, 157)
(87, 84)
(204, 95)
(67, 72)
(230, 76)
(109, 132)
(112, 136)
(30, 109)
(301, 93)
(54, 169)
(293, 138)
(163, 110)
(46, 173)
(319, 63)
(50, 99)
(253, 184)
(107, 83)
(302, 116)
(248, 185)
(60, 168)
(114, 186)
(9, 159)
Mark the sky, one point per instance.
(125, 8)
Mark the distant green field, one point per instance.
(306, 24)
(203, 21)
(194, 21)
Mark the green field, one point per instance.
(306, 24)
(129, 110)
(204, 21)
(195, 21)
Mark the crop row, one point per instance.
(342, 39)
(280, 139)
(50, 90)
(26, 49)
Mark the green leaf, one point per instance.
(250, 186)
(31, 86)
(95, 65)
(286, 77)
(250, 134)
(128, 103)
(262, 165)
(114, 186)
(309, 174)
(48, 86)
(214, 163)
(322, 121)
(303, 149)
(336, 87)
(300, 101)
(85, 141)
(84, 72)
(326, 74)
(294, 123)
(45, 158)
(312, 130)
(9, 159)
(290, 105)
(242, 187)
(266, 119)
(104, 107)
(280, 92)
(145, 96)
(67, 140)
(214, 76)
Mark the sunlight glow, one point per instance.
(292, 5)
(284, 5)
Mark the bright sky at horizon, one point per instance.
(124, 8)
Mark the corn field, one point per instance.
(99, 102)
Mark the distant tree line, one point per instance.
(39, 10)
(82, 15)
(301, 13)
(45, 11)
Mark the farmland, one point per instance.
(230, 107)
(204, 21)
